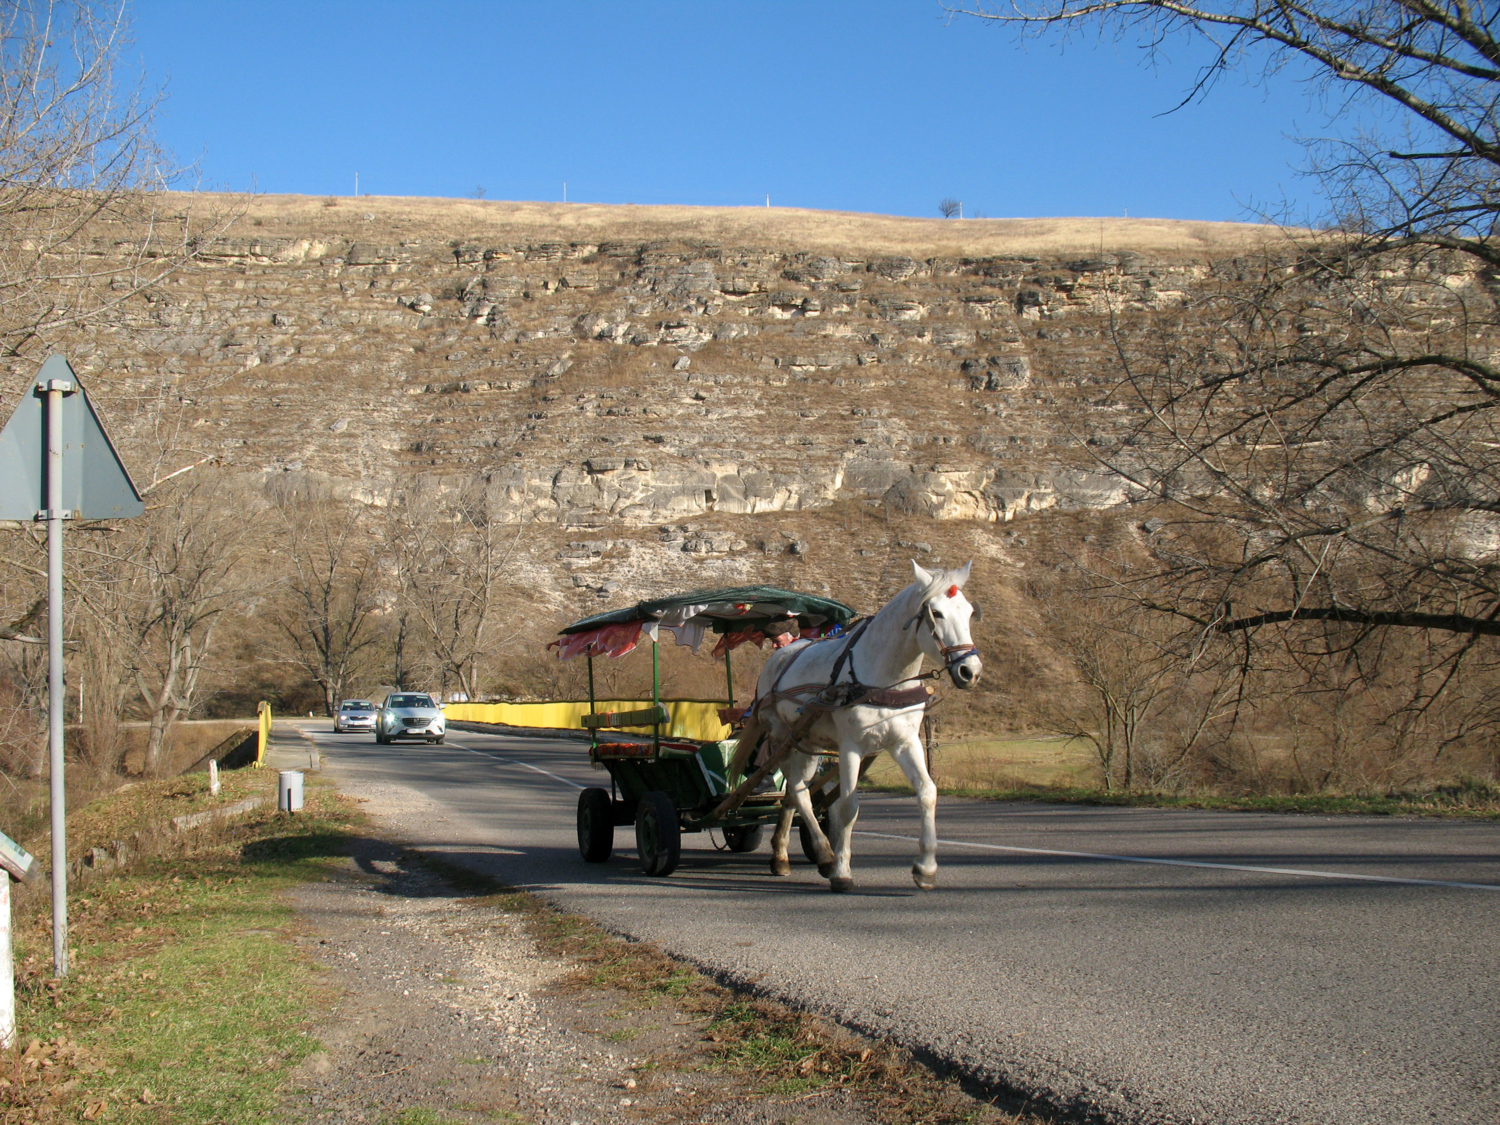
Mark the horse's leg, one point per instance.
(841, 817)
(799, 797)
(913, 763)
(781, 864)
(796, 771)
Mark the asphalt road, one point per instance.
(1130, 964)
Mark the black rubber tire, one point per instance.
(807, 837)
(745, 838)
(438, 741)
(596, 825)
(658, 834)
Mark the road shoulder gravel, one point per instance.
(476, 1007)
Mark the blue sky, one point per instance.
(876, 105)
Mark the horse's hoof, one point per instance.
(841, 885)
(781, 866)
(924, 882)
(825, 869)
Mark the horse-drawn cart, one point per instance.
(666, 776)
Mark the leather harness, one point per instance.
(833, 695)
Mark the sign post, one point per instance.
(59, 464)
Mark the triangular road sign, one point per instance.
(95, 483)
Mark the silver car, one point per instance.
(354, 714)
(409, 714)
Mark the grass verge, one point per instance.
(184, 1003)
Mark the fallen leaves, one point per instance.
(37, 1079)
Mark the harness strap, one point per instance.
(847, 653)
(897, 697)
(776, 693)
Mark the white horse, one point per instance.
(929, 618)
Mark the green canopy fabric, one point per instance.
(731, 609)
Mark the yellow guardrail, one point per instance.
(688, 718)
(263, 736)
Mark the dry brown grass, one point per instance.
(187, 741)
(836, 232)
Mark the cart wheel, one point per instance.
(807, 837)
(658, 835)
(596, 825)
(745, 838)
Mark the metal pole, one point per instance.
(729, 677)
(593, 731)
(58, 782)
(656, 694)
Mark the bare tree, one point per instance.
(1147, 697)
(950, 207)
(330, 575)
(451, 559)
(79, 168)
(160, 585)
(84, 227)
(1325, 452)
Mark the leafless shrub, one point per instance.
(329, 573)
(451, 557)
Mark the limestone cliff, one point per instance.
(658, 396)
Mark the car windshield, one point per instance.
(355, 705)
(408, 701)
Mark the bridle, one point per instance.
(949, 654)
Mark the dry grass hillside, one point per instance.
(773, 228)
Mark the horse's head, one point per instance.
(943, 620)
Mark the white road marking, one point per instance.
(1304, 872)
(513, 762)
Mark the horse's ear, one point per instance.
(961, 576)
(925, 577)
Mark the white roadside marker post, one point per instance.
(213, 778)
(15, 863)
(7, 970)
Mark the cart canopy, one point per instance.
(741, 613)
